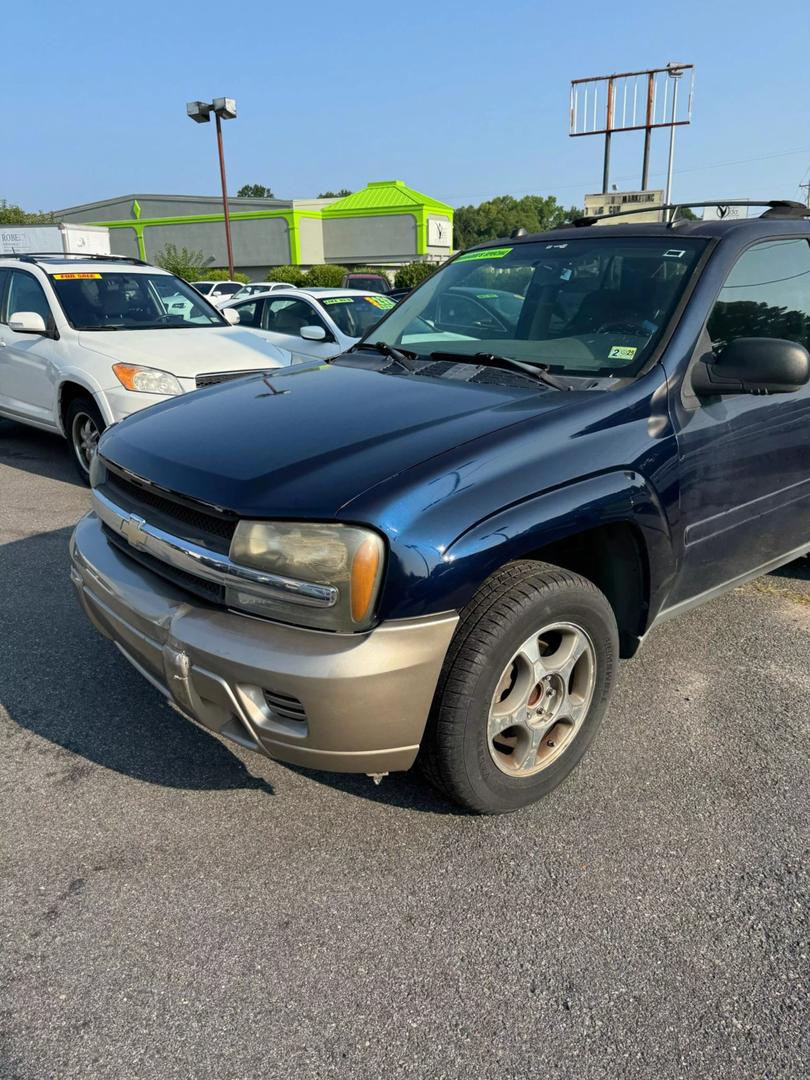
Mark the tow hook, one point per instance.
(377, 777)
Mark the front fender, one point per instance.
(78, 377)
(616, 497)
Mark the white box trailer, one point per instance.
(72, 239)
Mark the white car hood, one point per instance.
(187, 352)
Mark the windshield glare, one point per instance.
(356, 315)
(595, 306)
(122, 301)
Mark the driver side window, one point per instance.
(285, 316)
(25, 294)
(767, 294)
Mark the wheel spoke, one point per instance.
(565, 659)
(528, 756)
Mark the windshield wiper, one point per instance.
(538, 372)
(404, 359)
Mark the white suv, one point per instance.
(85, 341)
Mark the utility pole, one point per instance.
(806, 187)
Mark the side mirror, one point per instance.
(231, 315)
(753, 366)
(312, 333)
(27, 322)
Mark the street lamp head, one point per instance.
(225, 108)
(199, 111)
(674, 70)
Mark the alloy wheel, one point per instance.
(541, 700)
(85, 435)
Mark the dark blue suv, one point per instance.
(439, 544)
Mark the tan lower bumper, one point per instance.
(346, 703)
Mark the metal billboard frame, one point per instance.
(589, 116)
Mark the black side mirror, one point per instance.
(753, 366)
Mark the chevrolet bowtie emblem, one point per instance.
(132, 528)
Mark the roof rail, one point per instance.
(776, 208)
(57, 256)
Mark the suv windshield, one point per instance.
(595, 306)
(356, 315)
(126, 301)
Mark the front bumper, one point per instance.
(345, 703)
(117, 403)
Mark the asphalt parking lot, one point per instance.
(176, 907)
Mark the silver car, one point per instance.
(312, 323)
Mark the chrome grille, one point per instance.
(180, 518)
(206, 590)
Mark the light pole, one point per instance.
(674, 71)
(223, 109)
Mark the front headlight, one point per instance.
(146, 380)
(325, 576)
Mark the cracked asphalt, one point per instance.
(173, 906)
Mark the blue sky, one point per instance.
(461, 100)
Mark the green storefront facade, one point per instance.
(385, 224)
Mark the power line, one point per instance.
(678, 172)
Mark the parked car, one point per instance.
(312, 323)
(441, 543)
(256, 287)
(217, 290)
(377, 283)
(87, 340)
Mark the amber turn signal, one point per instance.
(365, 571)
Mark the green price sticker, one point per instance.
(489, 253)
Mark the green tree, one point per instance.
(291, 275)
(413, 274)
(342, 193)
(15, 215)
(502, 215)
(189, 265)
(254, 191)
(325, 275)
(221, 274)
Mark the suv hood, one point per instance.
(186, 353)
(306, 440)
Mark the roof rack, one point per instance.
(776, 208)
(61, 256)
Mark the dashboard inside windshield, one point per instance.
(596, 306)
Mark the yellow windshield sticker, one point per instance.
(338, 300)
(380, 301)
(622, 352)
(76, 277)
(488, 253)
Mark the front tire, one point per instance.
(83, 427)
(523, 689)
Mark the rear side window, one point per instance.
(767, 294)
(26, 294)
